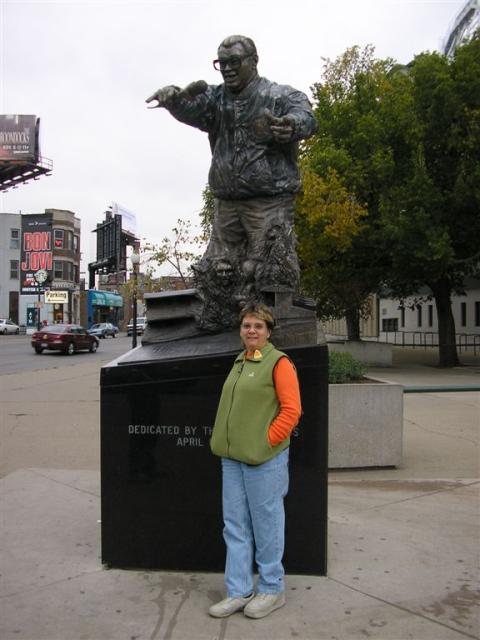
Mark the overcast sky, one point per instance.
(86, 67)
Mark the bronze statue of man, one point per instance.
(254, 127)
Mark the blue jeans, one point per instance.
(254, 519)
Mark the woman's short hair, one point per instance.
(260, 311)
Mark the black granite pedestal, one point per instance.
(161, 485)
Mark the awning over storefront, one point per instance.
(105, 299)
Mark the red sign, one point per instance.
(36, 250)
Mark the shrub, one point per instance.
(342, 367)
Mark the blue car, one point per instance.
(103, 329)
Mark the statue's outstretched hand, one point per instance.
(163, 96)
(282, 128)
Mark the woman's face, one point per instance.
(254, 333)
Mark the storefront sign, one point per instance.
(56, 297)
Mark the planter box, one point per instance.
(365, 425)
(375, 354)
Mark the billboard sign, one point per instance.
(109, 240)
(19, 137)
(129, 219)
(36, 251)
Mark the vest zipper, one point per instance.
(231, 403)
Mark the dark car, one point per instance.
(67, 338)
(103, 329)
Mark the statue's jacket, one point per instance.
(246, 161)
(247, 407)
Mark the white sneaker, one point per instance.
(263, 604)
(226, 607)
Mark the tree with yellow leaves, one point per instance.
(328, 218)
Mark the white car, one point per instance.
(7, 326)
(141, 325)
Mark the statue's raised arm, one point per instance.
(166, 95)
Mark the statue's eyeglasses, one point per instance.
(234, 62)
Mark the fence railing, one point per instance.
(425, 339)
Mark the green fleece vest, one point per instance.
(247, 407)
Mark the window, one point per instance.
(419, 315)
(390, 324)
(70, 240)
(14, 238)
(402, 316)
(430, 315)
(477, 314)
(58, 238)
(69, 270)
(14, 275)
(76, 274)
(58, 269)
(75, 244)
(463, 314)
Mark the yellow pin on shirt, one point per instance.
(257, 355)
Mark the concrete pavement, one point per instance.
(403, 543)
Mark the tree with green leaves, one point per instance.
(180, 251)
(430, 216)
(147, 282)
(352, 142)
(207, 212)
(405, 141)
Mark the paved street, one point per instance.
(17, 354)
(50, 404)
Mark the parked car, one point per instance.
(7, 326)
(141, 324)
(103, 329)
(67, 338)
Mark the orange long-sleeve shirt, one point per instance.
(288, 393)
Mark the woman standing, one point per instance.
(258, 409)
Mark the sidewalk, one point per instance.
(403, 543)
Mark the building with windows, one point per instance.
(466, 22)
(415, 320)
(42, 242)
(10, 227)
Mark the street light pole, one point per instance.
(39, 324)
(135, 259)
(40, 277)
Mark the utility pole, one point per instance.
(135, 259)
